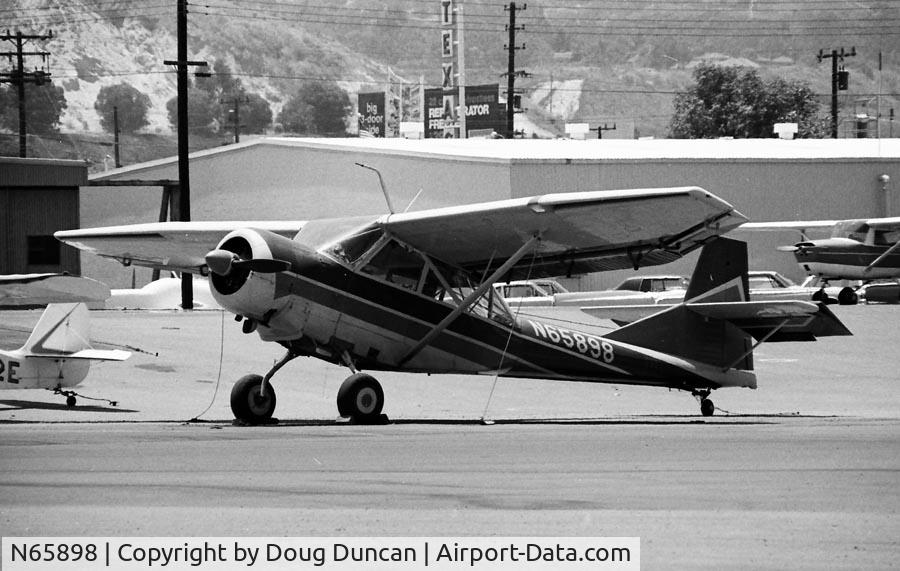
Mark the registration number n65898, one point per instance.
(583, 343)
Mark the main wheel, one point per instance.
(246, 402)
(360, 398)
(707, 408)
(848, 296)
(70, 401)
(821, 296)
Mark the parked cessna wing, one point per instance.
(413, 291)
(858, 249)
(41, 289)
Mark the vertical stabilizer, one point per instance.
(63, 328)
(720, 276)
(721, 273)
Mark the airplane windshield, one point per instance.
(352, 249)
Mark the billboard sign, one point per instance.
(371, 114)
(483, 111)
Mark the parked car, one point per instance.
(652, 290)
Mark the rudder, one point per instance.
(62, 328)
(721, 273)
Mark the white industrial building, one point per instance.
(299, 178)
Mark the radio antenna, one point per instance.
(387, 197)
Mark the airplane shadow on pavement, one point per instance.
(26, 404)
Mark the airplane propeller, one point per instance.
(800, 248)
(221, 262)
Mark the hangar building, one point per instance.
(299, 179)
(37, 198)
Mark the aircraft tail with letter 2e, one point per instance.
(63, 331)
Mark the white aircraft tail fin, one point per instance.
(64, 331)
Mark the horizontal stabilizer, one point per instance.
(794, 320)
(777, 321)
(89, 354)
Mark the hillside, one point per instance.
(603, 62)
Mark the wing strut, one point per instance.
(881, 257)
(470, 299)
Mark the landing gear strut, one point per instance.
(253, 398)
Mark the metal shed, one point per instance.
(37, 198)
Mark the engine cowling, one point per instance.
(245, 284)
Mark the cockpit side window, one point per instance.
(397, 264)
(406, 267)
(886, 236)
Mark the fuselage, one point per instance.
(18, 371)
(331, 309)
(844, 258)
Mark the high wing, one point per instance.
(799, 225)
(579, 232)
(886, 223)
(175, 246)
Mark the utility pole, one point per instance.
(511, 72)
(461, 66)
(839, 81)
(604, 127)
(235, 115)
(19, 77)
(116, 136)
(184, 182)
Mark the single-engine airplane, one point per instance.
(57, 354)
(413, 291)
(858, 249)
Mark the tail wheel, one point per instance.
(707, 408)
(361, 399)
(248, 404)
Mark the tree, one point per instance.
(318, 108)
(203, 110)
(256, 115)
(736, 102)
(131, 103)
(44, 105)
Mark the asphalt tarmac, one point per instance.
(799, 474)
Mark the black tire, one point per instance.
(848, 296)
(70, 401)
(246, 402)
(707, 408)
(361, 399)
(820, 296)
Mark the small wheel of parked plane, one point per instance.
(70, 401)
(848, 296)
(821, 296)
(361, 399)
(707, 408)
(246, 402)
